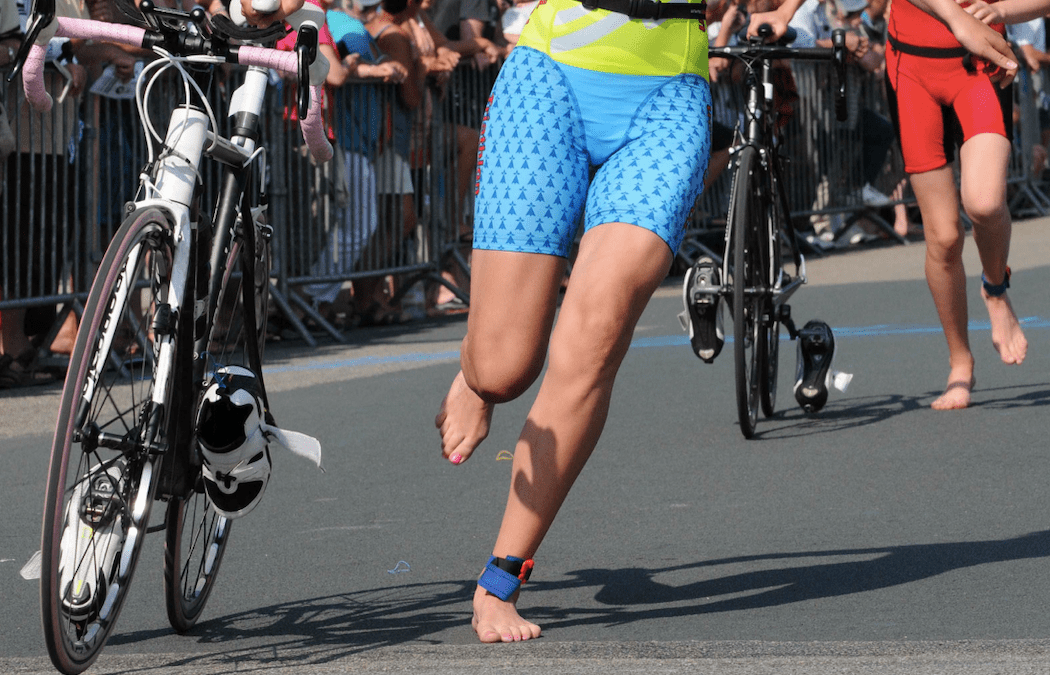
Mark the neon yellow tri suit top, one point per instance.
(611, 42)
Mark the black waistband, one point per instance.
(927, 52)
(647, 9)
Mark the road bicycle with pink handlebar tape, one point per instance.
(182, 290)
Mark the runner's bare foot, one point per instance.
(498, 621)
(463, 421)
(1007, 336)
(957, 394)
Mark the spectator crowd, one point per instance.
(405, 92)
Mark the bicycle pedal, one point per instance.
(816, 348)
(703, 310)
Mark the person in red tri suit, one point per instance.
(948, 78)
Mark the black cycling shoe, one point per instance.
(816, 347)
(703, 309)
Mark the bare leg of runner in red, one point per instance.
(984, 159)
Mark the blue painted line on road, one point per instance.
(365, 361)
(859, 331)
(881, 330)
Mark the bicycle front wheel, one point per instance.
(775, 221)
(107, 442)
(197, 535)
(749, 297)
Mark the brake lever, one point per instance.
(43, 17)
(306, 51)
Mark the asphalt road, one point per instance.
(878, 536)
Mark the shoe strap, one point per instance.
(996, 290)
(504, 576)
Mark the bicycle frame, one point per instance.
(753, 280)
(189, 137)
(761, 135)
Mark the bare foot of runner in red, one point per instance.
(463, 421)
(956, 395)
(498, 621)
(1007, 336)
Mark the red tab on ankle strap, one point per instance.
(526, 570)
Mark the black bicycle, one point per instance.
(759, 232)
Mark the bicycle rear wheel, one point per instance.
(197, 535)
(107, 438)
(749, 298)
(770, 357)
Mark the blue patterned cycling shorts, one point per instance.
(547, 125)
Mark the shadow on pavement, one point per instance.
(325, 629)
(866, 410)
(623, 589)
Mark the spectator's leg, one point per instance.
(466, 166)
(876, 138)
(901, 224)
(719, 162)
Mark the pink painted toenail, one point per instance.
(455, 459)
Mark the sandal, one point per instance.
(452, 307)
(503, 577)
(21, 371)
(994, 290)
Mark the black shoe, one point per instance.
(703, 309)
(816, 347)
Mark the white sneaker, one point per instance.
(872, 197)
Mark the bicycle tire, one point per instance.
(770, 344)
(196, 535)
(108, 434)
(744, 211)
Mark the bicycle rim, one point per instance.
(196, 535)
(747, 296)
(101, 477)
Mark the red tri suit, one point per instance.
(938, 100)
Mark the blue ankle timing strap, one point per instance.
(996, 290)
(504, 576)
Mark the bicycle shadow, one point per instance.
(324, 629)
(867, 410)
(327, 628)
(838, 416)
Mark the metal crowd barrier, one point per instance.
(1030, 196)
(356, 218)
